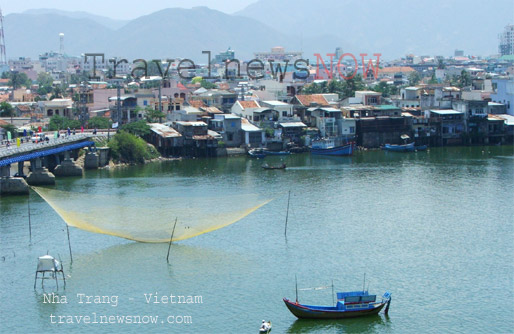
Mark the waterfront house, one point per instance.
(222, 99)
(448, 126)
(253, 136)
(166, 140)
(292, 131)
(197, 140)
(229, 127)
(301, 104)
(503, 92)
(373, 132)
(326, 120)
(253, 111)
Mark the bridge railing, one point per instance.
(28, 147)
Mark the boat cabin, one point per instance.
(355, 300)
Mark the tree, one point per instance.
(207, 84)
(196, 80)
(153, 115)
(98, 122)
(61, 123)
(126, 147)
(6, 109)
(17, 80)
(11, 128)
(464, 79)
(44, 79)
(414, 78)
(139, 128)
(433, 79)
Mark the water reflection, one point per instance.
(369, 324)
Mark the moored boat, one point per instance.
(265, 327)
(349, 305)
(277, 153)
(328, 146)
(257, 153)
(399, 148)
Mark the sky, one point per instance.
(121, 9)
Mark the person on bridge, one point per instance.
(69, 131)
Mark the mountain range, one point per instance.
(392, 28)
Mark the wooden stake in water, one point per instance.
(296, 285)
(364, 283)
(30, 225)
(287, 212)
(171, 239)
(69, 243)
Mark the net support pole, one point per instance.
(69, 243)
(171, 240)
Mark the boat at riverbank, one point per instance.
(399, 148)
(277, 153)
(349, 305)
(257, 153)
(328, 146)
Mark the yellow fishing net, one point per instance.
(149, 219)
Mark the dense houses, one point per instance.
(436, 101)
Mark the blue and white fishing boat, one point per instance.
(328, 146)
(349, 304)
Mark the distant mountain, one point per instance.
(103, 20)
(167, 33)
(31, 35)
(393, 28)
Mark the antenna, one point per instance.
(3, 57)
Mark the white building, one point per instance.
(504, 93)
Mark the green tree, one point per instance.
(17, 80)
(196, 80)
(433, 79)
(6, 109)
(11, 128)
(98, 122)
(464, 79)
(207, 84)
(414, 78)
(62, 123)
(126, 147)
(153, 115)
(44, 79)
(139, 128)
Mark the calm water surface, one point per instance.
(433, 228)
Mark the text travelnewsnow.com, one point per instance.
(121, 319)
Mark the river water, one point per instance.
(433, 228)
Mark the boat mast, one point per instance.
(287, 212)
(296, 284)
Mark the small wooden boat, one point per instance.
(277, 153)
(266, 166)
(349, 305)
(257, 153)
(265, 327)
(399, 148)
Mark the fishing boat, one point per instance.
(277, 153)
(328, 146)
(257, 153)
(399, 148)
(265, 327)
(349, 304)
(266, 166)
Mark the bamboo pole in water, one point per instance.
(171, 239)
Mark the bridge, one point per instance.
(52, 154)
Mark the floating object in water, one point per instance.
(47, 264)
(265, 327)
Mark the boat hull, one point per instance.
(278, 153)
(399, 148)
(338, 150)
(305, 312)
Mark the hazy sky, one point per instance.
(118, 9)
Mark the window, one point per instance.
(232, 124)
(284, 113)
(230, 136)
(145, 102)
(352, 129)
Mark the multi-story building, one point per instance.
(503, 92)
(506, 46)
